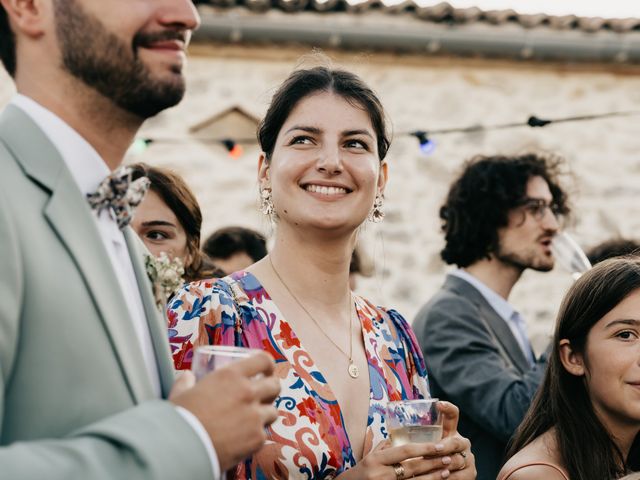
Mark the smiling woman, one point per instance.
(341, 359)
(584, 422)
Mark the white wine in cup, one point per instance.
(414, 421)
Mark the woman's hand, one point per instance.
(422, 461)
(464, 458)
(450, 458)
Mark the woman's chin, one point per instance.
(329, 225)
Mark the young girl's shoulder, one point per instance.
(537, 460)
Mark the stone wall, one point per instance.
(427, 94)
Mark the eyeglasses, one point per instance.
(537, 208)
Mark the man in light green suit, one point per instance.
(86, 381)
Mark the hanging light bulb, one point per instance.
(427, 146)
(235, 150)
(534, 121)
(139, 145)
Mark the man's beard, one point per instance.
(102, 61)
(521, 263)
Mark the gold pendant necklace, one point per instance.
(352, 369)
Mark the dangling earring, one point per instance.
(376, 214)
(266, 202)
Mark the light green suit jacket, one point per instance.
(76, 401)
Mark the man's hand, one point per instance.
(234, 404)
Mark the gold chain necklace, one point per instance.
(352, 369)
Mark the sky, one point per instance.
(580, 8)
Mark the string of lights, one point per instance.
(427, 145)
(424, 137)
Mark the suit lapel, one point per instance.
(505, 336)
(71, 218)
(156, 320)
(494, 322)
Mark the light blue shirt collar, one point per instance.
(510, 315)
(499, 304)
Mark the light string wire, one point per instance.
(233, 144)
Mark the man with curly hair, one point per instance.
(498, 219)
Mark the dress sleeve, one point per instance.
(201, 313)
(416, 367)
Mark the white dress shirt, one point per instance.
(88, 170)
(510, 315)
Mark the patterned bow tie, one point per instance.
(119, 194)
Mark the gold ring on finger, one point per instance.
(464, 460)
(398, 469)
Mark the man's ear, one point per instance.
(572, 361)
(27, 17)
(263, 171)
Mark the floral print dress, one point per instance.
(309, 439)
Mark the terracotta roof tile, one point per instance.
(438, 12)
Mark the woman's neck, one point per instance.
(315, 270)
(623, 438)
(621, 431)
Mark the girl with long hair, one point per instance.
(584, 422)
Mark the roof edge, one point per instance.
(376, 33)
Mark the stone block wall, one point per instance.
(423, 94)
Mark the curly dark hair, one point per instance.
(480, 199)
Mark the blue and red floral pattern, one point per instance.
(308, 440)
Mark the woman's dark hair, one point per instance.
(479, 201)
(585, 445)
(301, 84)
(173, 191)
(7, 44)
(615, 247)
(227, 241)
